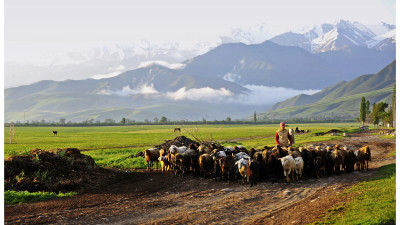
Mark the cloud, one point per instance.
(264, 95)
(117, 70)
(232, 77)
(257, 96)
(200, 94)
(174, 66)
(127, 91)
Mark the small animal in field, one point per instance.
(54, 132)
(177, 129)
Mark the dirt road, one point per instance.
(163, 198)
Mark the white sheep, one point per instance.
(243, 166)
(173, 149)
(288, 165)
(299, 167)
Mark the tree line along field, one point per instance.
(117, 146)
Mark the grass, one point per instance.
(374, 201)
(12, 197)
(118, 158)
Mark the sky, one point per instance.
(45, 27)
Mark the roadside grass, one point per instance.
(373, 201)
(387, 136)
(12, 197)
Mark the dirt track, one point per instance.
(161, 198)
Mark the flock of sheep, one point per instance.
(258, 164)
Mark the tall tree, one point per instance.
(363, 111)
(255, 117)
(367, 105)
(394, 106)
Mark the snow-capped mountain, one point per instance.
(341, 36)
(252, 35)
(381, 28)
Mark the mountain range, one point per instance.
(341, 36)
(233, 79)
(340, 100)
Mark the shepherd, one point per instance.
(282, 137)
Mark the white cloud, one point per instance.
(232, 77)
(162, 63)
(127, 91)
(263, 95)
(204, 94)
(117, 70)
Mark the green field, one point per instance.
(113, 146)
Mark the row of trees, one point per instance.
(381, 112)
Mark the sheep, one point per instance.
(183, 161)
(367, 153)
(338, 160)
(293, 152)
(241, 148)
(165, 163)
(308, 161)
(243, 166)
(202, 149)
(242, 155)
(299, 167)
(173, 149)
(288, 165)
(350, 160)
(151, 155)
(253, 171)
(280, 152)
(274, 167)
(206, 164)
(319, 162)
(360, 159)
(227, 165)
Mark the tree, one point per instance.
(62, 121)
(163, 119)
(155, 120)
(379, 113)
(394, 107)
(123, 120)
(367, 104)
(255, 117)
(363, 111)
(109, 121)
(228, 119)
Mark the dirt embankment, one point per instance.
(163, 198)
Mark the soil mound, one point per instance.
(60, 170)
(333, 131)
(178, 141)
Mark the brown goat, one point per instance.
(227, 166)
(367, 153)
(151, 155)
(206, 164)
